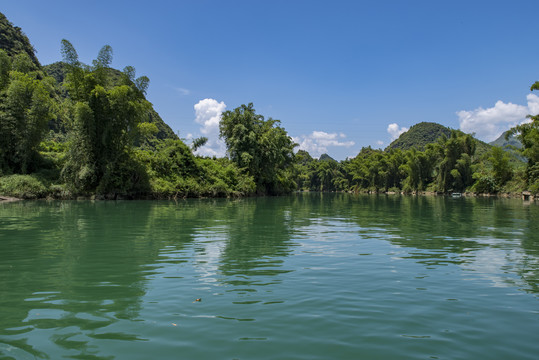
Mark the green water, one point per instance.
(308, 276)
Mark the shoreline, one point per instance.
(8, 199)
(525, 196)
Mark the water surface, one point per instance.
(310, 276)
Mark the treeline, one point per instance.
(89, 131)
(92, 135)
(448, 165)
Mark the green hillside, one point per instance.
(509, 143)
(425, 133)
(14, 41)
(419, 135)
(326, 157)
(58, 71)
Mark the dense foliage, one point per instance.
(25, 108)
(14, 41)
(419, 135)
(259, 146)
(528, 135)
(104, 125)
(447, 165)
(60, 69)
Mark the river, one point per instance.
(307, 276)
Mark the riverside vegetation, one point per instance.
(69, 129)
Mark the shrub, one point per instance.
(484, 184)
(22, 186)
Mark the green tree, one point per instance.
(528, 135)
(359, 169)
(501, 166)
(261, 147)
(455, 154)
(198, 143)
(303, 172)
(418, 169)
(26, 107)
(104, 127)
(392, 172)
(326, 173)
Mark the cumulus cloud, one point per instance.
(208, 114)
(318, 142)
(488, 124)
(395, 131)
(533, 104)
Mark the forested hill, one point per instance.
(425, 133)
(326, 157)
(58, 71)
(509, 143)
(419, 136)
(14, 41)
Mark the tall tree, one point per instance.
(25, 108)
(455, 154)
(501, 167)
(104, 127)
(261, 147)
(528, 134)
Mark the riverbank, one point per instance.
(8, 199)
(59, 193)
(524, 195)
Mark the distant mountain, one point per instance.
(326, 157)
(425, 133)
(419, 136)
(509, 143)
(14, 41)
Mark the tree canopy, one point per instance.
(261, 147)
(14, 41)
(105, 124)
(26, 107)
(528, 135)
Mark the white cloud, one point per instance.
(214, 147)
(395, 131)
(379, 142)
(533, 104)
(208, 114)
(488, 124)
(182, 91)
(318, 142)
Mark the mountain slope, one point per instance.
(58, 71)
(511, 142)
(419, 136)
(14, 41)
(425, 133)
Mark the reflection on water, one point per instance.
(305, 274)
(492, 237)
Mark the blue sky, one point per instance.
(339, 75)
